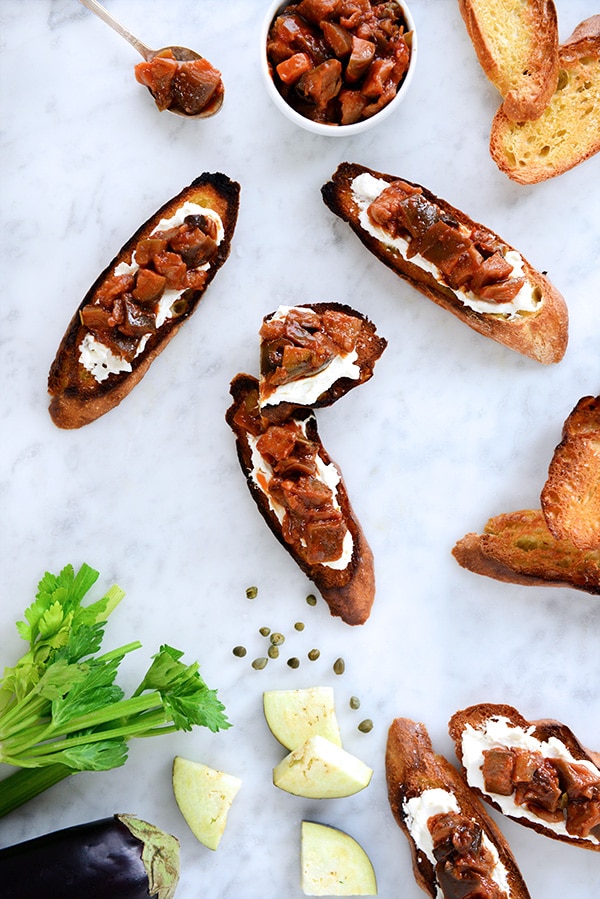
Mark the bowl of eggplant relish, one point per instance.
(338, 67)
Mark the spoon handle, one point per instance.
(106, 17)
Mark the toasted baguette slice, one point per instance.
(538, 330)
(568, 130)
(312, 355)
(82, 394)
(347, 581)
(518, 548)
(547, 754)
(517, 46)
(423, 789)
(571, 494)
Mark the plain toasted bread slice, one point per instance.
(567, 132)
(311, 355)
(78, 396)
(517, 46)
(346, 582)
(421, 784)
(518, 548)
(541, 333)
(484, 727)
(571, 494)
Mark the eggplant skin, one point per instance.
(97, 860)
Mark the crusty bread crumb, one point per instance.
(516, 42)
(571, 495)
(568, 130)
(518, 548)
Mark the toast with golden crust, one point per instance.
(302, 497)
(518, 548)
(539, 331)
(444, 820)
(516, 44)
(567, 132)
(571, 494)
(127, 318)
(536, 772)
(312, 355)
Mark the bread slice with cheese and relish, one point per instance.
(311, 355)
(302, 497)
(461, 265)
(140, 301)
(536, 772)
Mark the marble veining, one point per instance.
(451, 430)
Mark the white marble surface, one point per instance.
(451, 430)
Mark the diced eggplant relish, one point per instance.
(553, 789)
(302, 344)
(188, 86)
(464, 865)
(125, 306)
(338, 61)
(468, 261)
(312, 523)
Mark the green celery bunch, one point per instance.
(61, 710)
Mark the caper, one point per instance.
(251, 592)
(260, 663)
(277, 639)
(293, 662)
(365, 726)
(354, 702)
(314, 654)
(264, 631)
(311, 599)
(273, 652)
(239, 651)
(339, 666)
(299, 626)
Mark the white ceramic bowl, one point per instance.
(318, 127)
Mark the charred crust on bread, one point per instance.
(348, 592)
(477, 717)
(412, 766)
(369, 347)
(541, 335)
(77, 398)
(571, 494)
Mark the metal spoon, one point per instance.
(182, 54)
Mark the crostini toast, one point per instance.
(516, 42)
(311, 355)
(456, 848)
(459, 264)
(567, 132)
(300, 493)
(571, 494)
(535, 772)
(518, 548)
(139, 302)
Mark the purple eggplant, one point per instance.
(120, 857)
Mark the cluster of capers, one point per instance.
(276, 641)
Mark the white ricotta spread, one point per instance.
(436, 801)
(305, 391)
(366, 188)
(327, 474)
(499, 732)
(98, 358)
